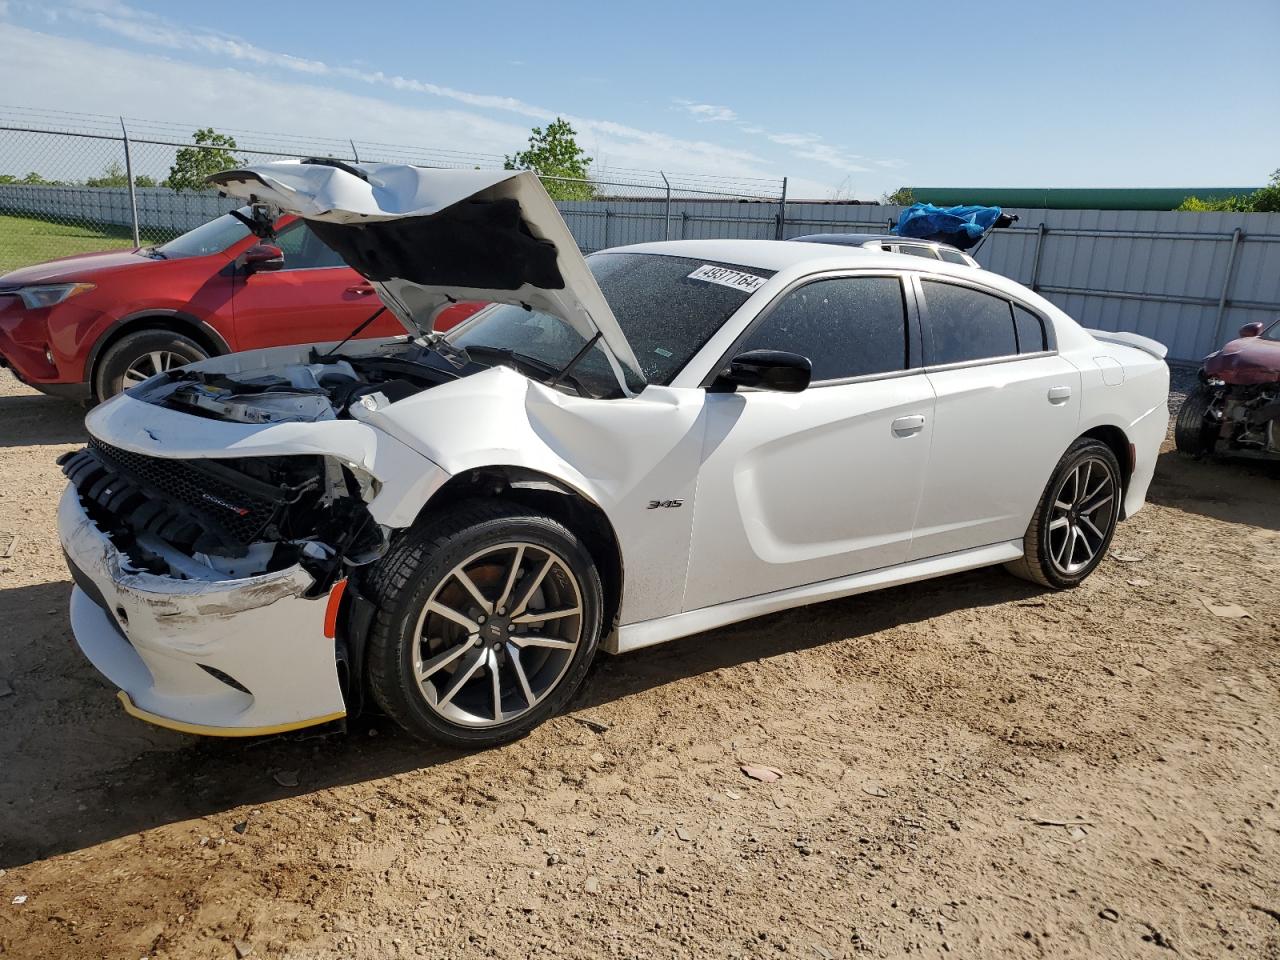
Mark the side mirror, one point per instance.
(767, 370)
(1251, 329)
(263, 256)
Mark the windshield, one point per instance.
(212, 237)
(667, 307)
(1272, 332)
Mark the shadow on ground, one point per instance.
(109, 775)
(1235, 490)
(36, 420)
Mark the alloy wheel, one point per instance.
(497, 634)
(1084, 511)
(149, 364)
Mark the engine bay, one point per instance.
(321, 387)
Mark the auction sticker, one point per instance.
(728, 278)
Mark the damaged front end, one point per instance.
(214, 555)
(1236, 408)
(1240, 419)
(200, 519)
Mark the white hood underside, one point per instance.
(429, 238)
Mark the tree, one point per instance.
(115, 176)
(1267, 199)
(902, 197)
(212, 154)
(554, 152)
(1263, 200)
(1232, 204)
(32, 179)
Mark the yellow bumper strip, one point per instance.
(203, 730)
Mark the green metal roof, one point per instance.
(1072, 198)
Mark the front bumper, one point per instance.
(237, 657)
(24, 340)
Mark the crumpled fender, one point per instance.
(408, 478)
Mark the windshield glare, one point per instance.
(212, 237)
(666, 315)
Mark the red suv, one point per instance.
(88, 326)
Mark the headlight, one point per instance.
(51, 294)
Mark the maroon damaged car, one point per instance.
(1235, 409)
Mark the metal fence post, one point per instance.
(1035, 262)
(1236, 236)
(355, 154)
(667, 232)
(133, 190)
(782, 210)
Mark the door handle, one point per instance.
(1059, 395)
(907, 426)
(363, 289)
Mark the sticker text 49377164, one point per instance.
(728, 278)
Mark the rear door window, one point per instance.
(966, 324)
(846, 326)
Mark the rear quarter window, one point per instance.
(1031, 332)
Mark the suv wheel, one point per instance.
(139, 355)
(1073, 525)
(488, 619)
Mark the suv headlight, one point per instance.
(51, 294)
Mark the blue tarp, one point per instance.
(959, 226)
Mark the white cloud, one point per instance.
(704, 112)
(623, 144)
(804, 146)
(60, 73)
(185, 90)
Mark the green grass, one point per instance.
(27, 240)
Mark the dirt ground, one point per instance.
(970, 766)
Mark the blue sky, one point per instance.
(849, 99)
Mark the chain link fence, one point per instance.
(73, 183)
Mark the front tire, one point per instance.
(139, 355)
(1075, 520)
(1194, 434)
(488, 619)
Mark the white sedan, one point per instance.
(643, 444)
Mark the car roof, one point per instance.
(778, 255)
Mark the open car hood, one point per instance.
(428, 238)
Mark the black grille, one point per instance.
(196, 503)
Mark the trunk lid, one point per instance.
(429, 238)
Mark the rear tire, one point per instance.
(1194, 434)
(488, 619)
(1074, 522)
(139, 355)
